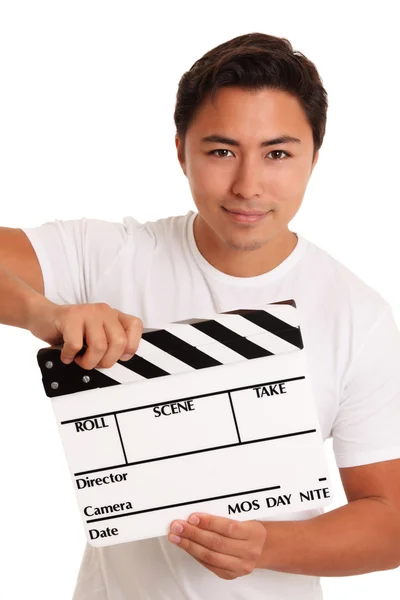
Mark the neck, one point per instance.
(243, 263)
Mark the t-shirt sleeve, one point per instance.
(367, 425)
(74, 255)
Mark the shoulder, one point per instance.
(338, 309)
(128, 227)
(164, 235)
(94, 235)
(160, 228)
(341, 286)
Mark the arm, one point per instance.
(360, 537)
(364, 535)
(21, 280)
(109, 333)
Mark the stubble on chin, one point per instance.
(245, 246)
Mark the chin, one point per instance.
(244, 245)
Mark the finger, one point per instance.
(97, 344)
(133, 327)
(116, 341)
(208, 539)
(229, 528)
(222, 573)
(210, 557)
(73, 341)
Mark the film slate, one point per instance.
(214, 415)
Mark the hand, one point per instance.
(110, 335)
(226, 547)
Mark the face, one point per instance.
(246, 192)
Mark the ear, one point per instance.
(316, 157)
(178, 145)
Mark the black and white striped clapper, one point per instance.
(185, 346)
(214, 415)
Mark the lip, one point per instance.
(246, 217)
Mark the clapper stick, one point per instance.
(212, 415)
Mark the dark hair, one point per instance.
(253, 61)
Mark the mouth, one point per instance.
(242, 216)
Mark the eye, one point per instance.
(272, 152)
(219, 150)
(278, 152)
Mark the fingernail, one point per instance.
(126, 356)
(175, 539)
(194, 519)
(177, 528)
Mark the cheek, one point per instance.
(206, 183)
(288, 183)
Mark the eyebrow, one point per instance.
(220, 139)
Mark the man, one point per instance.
(250, 119)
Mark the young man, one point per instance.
(248, 150)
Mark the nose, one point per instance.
(247, 182)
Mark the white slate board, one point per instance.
(239, 439)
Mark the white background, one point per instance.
(87, 93)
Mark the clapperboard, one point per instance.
(213, 415)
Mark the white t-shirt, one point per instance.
(156, 272)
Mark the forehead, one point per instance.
(248, 114)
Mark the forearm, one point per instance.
(17, 300)
(357, 538)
